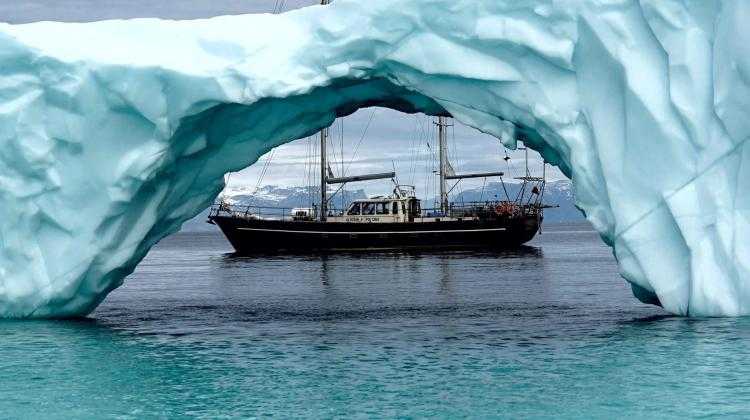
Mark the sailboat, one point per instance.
(397, 221)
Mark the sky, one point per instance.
(389, 139)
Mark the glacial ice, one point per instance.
(113, 133)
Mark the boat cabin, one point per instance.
(395, 209)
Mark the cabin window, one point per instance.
(415, 208)
(368, 208)
(381, 208)
(395, 208)
(354, 210)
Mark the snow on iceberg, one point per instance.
(114, 133)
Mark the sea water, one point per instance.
(549, 330)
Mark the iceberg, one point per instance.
(114, 133)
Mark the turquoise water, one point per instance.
(548, 331)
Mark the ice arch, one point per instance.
(114, 133)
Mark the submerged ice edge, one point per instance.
(113, 133)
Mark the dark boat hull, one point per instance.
(256, 235)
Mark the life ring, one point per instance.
(503, 209)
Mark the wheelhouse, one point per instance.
(401, 207)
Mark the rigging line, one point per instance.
(308, 170)
(262, 174)
(432, 152)
(266, 166)
(481, 195)
(412, 138)
(459, 162)
(435, 166)
(356, 148)
(453, 145)
(415, 143)
(431, 158)
(341, 162)
(502, 182)
(521, 192)
(341, 141)
(340, 133)
(310, 165)
(431, 131)
(304, 166)
(306, 173)
(418, 146)
(413, 152)
(427, 163)
(315, 168)
(509, 171)
(331, 145)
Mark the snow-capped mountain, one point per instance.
(278, 196)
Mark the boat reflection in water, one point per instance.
(360, 279)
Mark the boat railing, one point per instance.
(268, 213)
(484, 209)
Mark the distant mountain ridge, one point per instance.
(277, 196)
(556, 193)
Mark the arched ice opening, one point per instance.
(108, 148)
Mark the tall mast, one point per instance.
(443, 147)
(323, 164)
(323, 174)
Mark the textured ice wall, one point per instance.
(114, 133)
